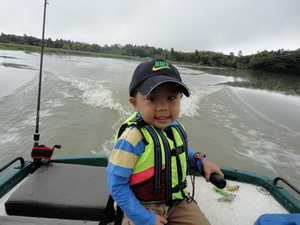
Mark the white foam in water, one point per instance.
(108, 146)
(93, 92)
(275, 107)
(7, 137)
(53, 103)
(190, 106)
(258, 137)
(30, 119)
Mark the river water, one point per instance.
(240, 119)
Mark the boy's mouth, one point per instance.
(162, 117)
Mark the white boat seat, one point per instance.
(65, 191)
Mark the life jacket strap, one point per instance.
(177, 151)
(157, 153)
(158, 159)
(139, 120)
(179, 187)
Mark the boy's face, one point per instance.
(161, 107)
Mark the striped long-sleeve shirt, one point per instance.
(125, 154)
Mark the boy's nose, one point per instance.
(162, 106)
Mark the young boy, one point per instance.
(146, 174)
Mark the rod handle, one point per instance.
(217, 180)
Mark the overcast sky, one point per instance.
(186, 25)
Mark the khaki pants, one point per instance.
(185, 212)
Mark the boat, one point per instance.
(72, 190)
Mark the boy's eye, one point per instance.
(172, 98)
(150, 99)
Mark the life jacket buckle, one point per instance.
(179, 187)
(157, 190)
(177, 151)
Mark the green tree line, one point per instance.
(275, 61)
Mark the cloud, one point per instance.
(223, 26)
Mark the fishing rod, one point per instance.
(41, 153)
(36, 136)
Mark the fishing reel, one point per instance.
(42, 154)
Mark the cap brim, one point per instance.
(152, 82)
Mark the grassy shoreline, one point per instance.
(29, 48)
(15, 47)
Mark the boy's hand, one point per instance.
(209, 167)
(160, 220)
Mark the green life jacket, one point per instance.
(160, 172)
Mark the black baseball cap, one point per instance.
(148, 75)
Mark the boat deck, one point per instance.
(248, 205)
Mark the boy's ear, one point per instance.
(133, 102)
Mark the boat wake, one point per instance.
(93, 93)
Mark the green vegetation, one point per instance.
(275, 61)
(28, 48)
